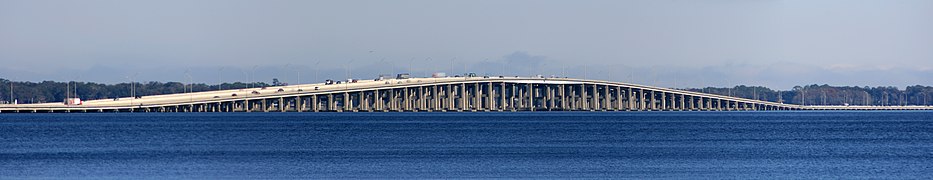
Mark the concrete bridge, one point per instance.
(437, 94)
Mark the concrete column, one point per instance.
(265, 106)
(490, 97)
(573, 100)
(531, 97)
(377, 100)
(421, 102)
(583, 97)
(331, 106)
(548, 100)
(435, 98)
(642, 101)
(682, 104)
(563, 97)
(502, 104)
(518, 97)
(673, 102)
(393, 101)
(719, 104)
(652, 101)
(314, 104)
(606, 98)
(595, 103)
(512, 96)
(630, 98)
(406, 99)
(619, 98)
(347, 101)
(477, 96)
(663, 101)
(363, 104)
(463, 97)
(451, 99)
(299, 105)
(692, 103)
(282, 104)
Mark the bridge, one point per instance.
(437, 94)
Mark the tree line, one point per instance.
(51, 91)
(831, 95)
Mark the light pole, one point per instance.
(247, 76)
(76, 87)
(316, 70)
(251, 76)
(247, 85)
(13, 101)
(427, 73)
(191, 87)
(409, 65)
(220, 82)
(132, 88)
(346, 85)
(285, 71)
(349, 69)
(452, 65)
(387, 69)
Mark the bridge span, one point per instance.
(437, 94)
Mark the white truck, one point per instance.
(73, 101)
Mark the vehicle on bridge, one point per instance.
(73, 101)
(403, 76)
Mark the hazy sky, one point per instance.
(676, 43)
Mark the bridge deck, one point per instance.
(484, 94)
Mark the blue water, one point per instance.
(469, 145)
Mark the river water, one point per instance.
(831, 144)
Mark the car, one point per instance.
(216, 96)
(316, 88)
(501, 76)
(234, 95)
(338, 82)
(280, 90)
(299, 90)
(255, 92)
(485, 76)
